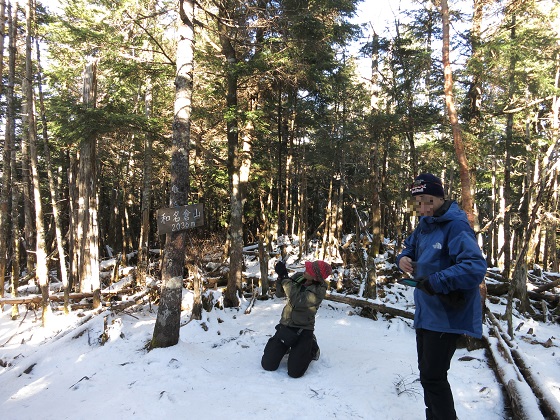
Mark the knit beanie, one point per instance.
(318, 269)
(427, 184)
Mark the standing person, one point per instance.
(447, 267)
(305, 292)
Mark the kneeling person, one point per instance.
(305, 292)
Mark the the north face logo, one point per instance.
(437, 245)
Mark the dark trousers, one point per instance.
(301, 353)
(435, 350)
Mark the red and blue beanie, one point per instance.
(318, 269)
(427, 184)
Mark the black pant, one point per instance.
(435, 350)
(301, 353)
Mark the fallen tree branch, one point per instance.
(252, 302)
(363, 303)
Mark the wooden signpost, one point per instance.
(179, 218)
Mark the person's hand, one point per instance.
(406, 265)
(281, 269)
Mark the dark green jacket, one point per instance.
(303, 302)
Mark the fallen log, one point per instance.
(548, 402)
(547, 286)
(497, 289)
(554, 299)
(133, 300)
(363, 303)
(514, 378)
(59, 297)
(38, 299)
(495, 276)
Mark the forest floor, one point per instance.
(95, 363)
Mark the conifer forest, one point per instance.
(262, 112)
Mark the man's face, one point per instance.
(426, 205)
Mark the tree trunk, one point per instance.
(550, 257)
(74, 240)
(41, 270)
(87, 190)
(263, 265)
(29, 224)
(287, 134)
(507, 188)
(475, 91)
(12, 165)
(554, 260)
(370, 291)
(328, 222)
(507, 162)
(235, 162)
(166, 329)
(282, 167)
(143, 243)
(8, 140)
(197, 291)
(2, 32)
(467, 201)
(16, 242)
(54, 194)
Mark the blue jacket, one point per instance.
(447, 254)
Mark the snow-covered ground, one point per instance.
(367, 368)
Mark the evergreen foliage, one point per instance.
(322, 135)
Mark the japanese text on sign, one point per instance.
(179, 218)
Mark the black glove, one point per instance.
(454, 299)
(425, 286)
(281, 269)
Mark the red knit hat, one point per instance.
(318, 269)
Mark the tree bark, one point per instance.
(74, 240)
(374, 160)
(467, 201)
(143, 243)
(41, 270)
(87, 191)
(28, 217)
(263, 265)
(8, 140)
(2, 36)
(11, 135)
(303, 210)
(197, 289)
(236, 183)
(282, 166)
(507, 186)
(166, 329)
(53, 189)
(328, 222)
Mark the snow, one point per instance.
(367, 367)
